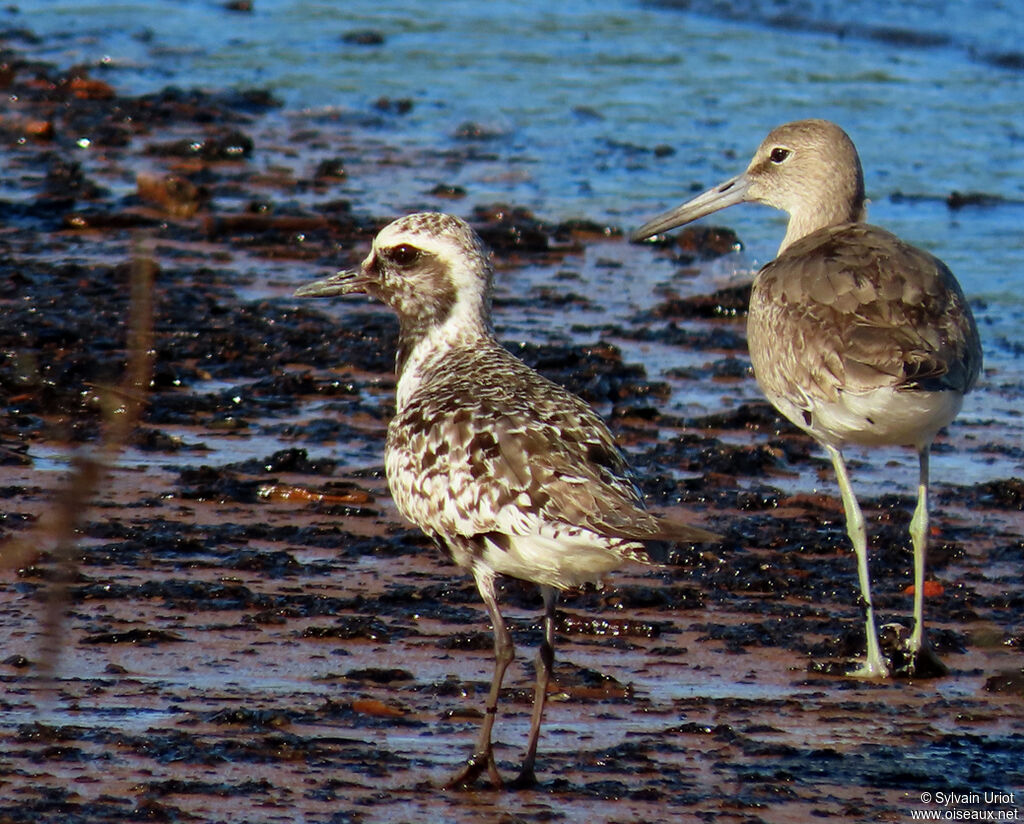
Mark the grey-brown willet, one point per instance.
(855, 336)
(509, 472)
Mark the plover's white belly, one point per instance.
(563, 558)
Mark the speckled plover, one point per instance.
(855, 336)
(507, 471)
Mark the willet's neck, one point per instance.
(804, 222)
(836, 204)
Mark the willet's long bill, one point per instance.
(855, 336)
(507, 471)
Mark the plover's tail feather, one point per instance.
(643, 526)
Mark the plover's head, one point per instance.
(807, 168)
(429, 267)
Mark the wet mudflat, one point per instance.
(251, 632)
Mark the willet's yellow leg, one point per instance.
(874, 665)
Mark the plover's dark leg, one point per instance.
(545, 662)
(504, 651)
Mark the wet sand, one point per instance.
(251, 632)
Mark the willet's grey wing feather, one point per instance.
(852, 307)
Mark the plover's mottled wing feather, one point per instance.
(516, 454)
(884, 308)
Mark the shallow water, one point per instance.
(573, 99)
(614, 110)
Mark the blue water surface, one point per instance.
(617, 109)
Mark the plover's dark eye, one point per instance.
(779, 154)
(403, 254)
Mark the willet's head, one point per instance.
(807, 168)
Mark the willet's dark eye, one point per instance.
(779, 154)
(403, 254)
